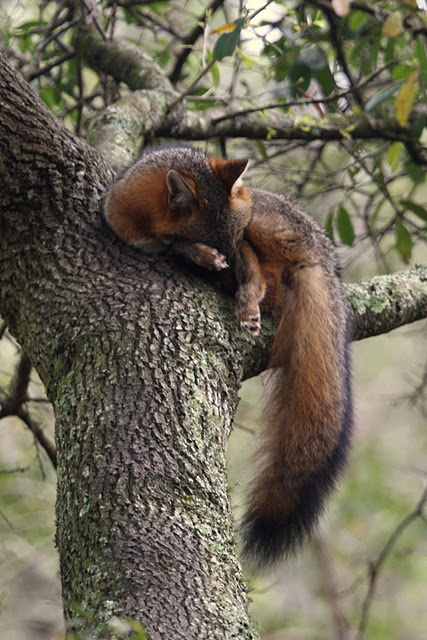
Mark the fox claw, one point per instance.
(252, 324)
(220, 261)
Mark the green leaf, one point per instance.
(369, 44)
(402, 71)
(357, 19)
(27, 26)
(214, 71)
(403, 242)
(206, 103)
(50, 96)
(382, 96)
(415, 172)
(227, 42)
(299, 77)
(389, 53)
(394, 155)
(329, 226)
(345, 226)
(405, 99)
(419, 126)
(393, 26)
(422, 57)
(419, 211)
(262, 151)
(281, 68)
(326, 80)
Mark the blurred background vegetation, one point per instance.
(319, 66)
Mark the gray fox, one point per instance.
(283, 263)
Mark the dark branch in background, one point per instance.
(284, 104)
(41, 71)
(19, 388)
(378, 13)
(141, 18)
(418, 397)
(4, 472)
(12, 405)
(325, 561)
(189, 89)
(92, 17)
(334, 29)
(58, 25)
(190, 39)
(375, 568)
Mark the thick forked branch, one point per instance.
(141, 375)
(142, 362)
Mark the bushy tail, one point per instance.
(307, 421)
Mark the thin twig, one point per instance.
(376, 566)
(339, 622)
(304, 103)
(41, 71)
(15, 470)
(92, 11)
(12, 405)
(190, 39)
(189, 89)
(206, 68)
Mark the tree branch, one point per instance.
(374, 570)
(19, 387)
(129, 65)
(384, 303)
(378, 13)
(12, 405)
(190, 39)
(212, 124)
(122, 61)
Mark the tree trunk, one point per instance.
(141, 370)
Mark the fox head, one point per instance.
(179, 192)
(211, 207)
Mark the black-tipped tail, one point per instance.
(277, 531)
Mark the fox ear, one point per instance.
(181, 194)
(229, 172)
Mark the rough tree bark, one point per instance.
(142, 362)
(142, 372)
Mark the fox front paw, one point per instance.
(220, 261)
(250, 321)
